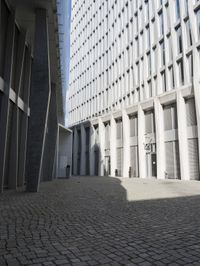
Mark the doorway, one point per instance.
(107, 166)
(151, 164)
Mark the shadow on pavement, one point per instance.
(89, 221)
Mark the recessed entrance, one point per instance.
(107, 166)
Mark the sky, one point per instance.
(64, 18)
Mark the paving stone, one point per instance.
(94, 221)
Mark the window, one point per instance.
(167, 17)
(141, 43)
(15, 55)
(161, 24)
(137, 47)
(177, 9)
(153, 61)
(163, 81)
(186, 7)
(133, 126)
(181, 72)
(198, 23)
(87, 133)
(119, 129)
(171, 72)
(189, 35)
(107, 135)
(147, 38)
(169, 43)
(170, 117)
(149, 122)
(190, 64)
(191, 112)
(162, 51)
(149, 64)
(137, 73)
(150, 88)
(179, 41)
(3, 29)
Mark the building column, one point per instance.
(91, 150)
(196, 83)
(102, 147)
(113, 140)
(160, 145)
(126, 143)
(50, 138)
(4, 112)
(75, 151)
(141, 142)
(83, 151)
(39, 101)
(182, 137)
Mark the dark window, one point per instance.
(179, 41)
(15, 55)
(177, 9)
(3, 29)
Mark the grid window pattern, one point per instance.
(124, 52)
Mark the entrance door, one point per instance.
(153, 164)
(107, 166)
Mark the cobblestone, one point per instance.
(102, 221)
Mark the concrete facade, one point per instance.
(31, 93)
(135, 80)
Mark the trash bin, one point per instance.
(68, 171)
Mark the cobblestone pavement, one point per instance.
(102, 221)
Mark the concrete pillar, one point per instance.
(39, 101)
(113, 140)
(91, 150)
(75, 151)
(196, 84)
(160, 145)
(126, 143)
(102, 147)
(141, 142)
(5, 99)
(50, 139)
(83, 151)
(182, 137)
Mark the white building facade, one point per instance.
(134, 99)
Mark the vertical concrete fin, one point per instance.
(91, 150)
(102, 147)
(126, 143)
(160, 148)
(182, 137)
(113, 146)
(141, 141)
(5, 100)
(39, 101)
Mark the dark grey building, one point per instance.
(31, 95)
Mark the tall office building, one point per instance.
(32, 94)
(134, 94)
